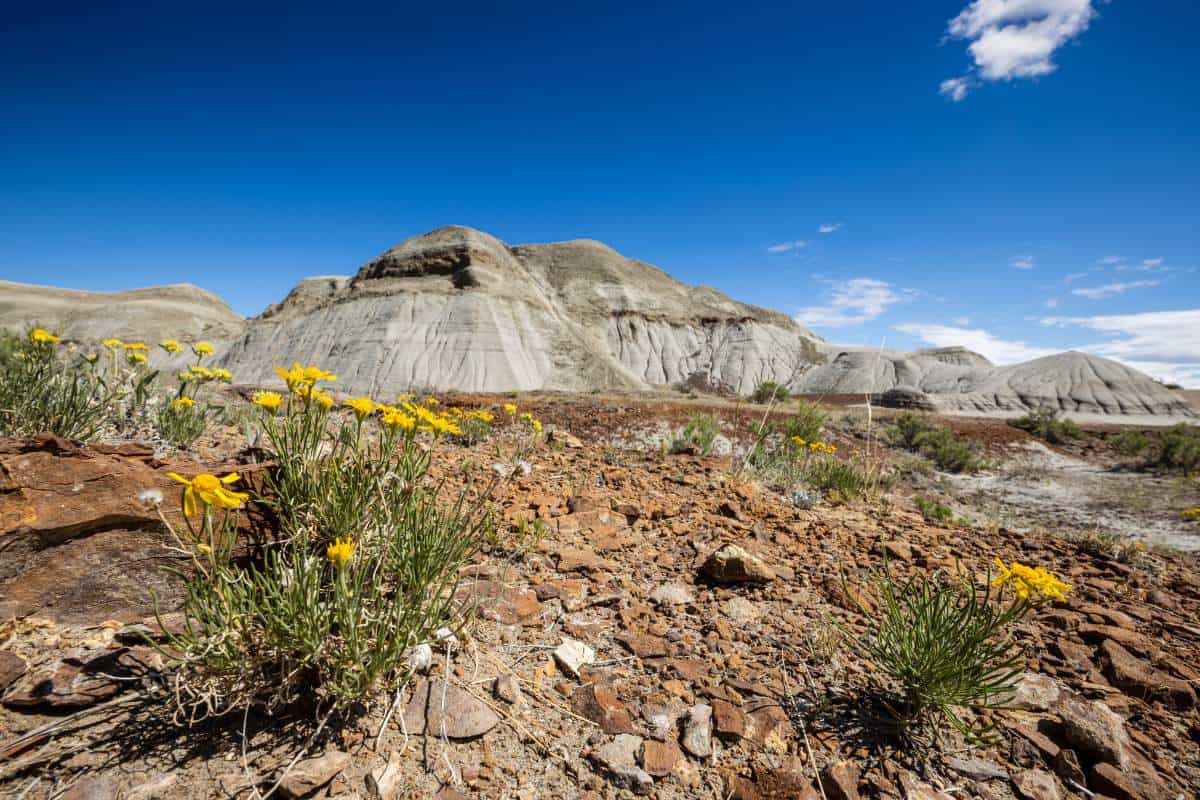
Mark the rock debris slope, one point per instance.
(458, 309)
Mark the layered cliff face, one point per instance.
(458, 309)
(179, 311)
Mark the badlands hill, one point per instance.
(457, 309)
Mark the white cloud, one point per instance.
(1108, 290)
(1014, 38)
(1151, 263)
(1110, 260)
(1022, 262)
(1074, 276)
(1051, 303)
(955, 89)
(1161, 343)
(829, 227)
(784, 247)
(998, 351)
(853, 302)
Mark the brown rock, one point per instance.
(1096, 731)
(643, 645)
(1138, 784)
(732, 564)
(313, 773)
(12, 666)
(771, 784)
(600, 704)
(504, 604)
(101, 787)
(840, 780)
(436, 703)
(72, 683)
(508, 689)
(1037, 784)
(730, 722)
(660, 758)
(1036, 692)
(1139, 679)
(1132, 640)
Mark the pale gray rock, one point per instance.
(437, 707)
(697, 731)
(618, 758)
(313, 773)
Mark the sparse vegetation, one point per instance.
(945, 643)
(916, 432)
(698, 435)
(1176, 449)
(770, 391)
(1112, 546)
(1049, 425)
(933, 511)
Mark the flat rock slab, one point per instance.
(435, 703)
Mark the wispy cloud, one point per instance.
(853, 302)
(1022, 262)
(784, 247)
(829, 227)
(1012, 39)
(1108, 290)
(1051, 303)
(1161, 343)
(994, 349)
(1074, 276)
(1109, 261)
(1151, 263)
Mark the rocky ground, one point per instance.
(678, 631)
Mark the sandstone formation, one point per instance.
(457, 309)
(180, 311)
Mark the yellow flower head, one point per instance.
(43, 336)
(186, 377)
(396, 419)
(362, 406)
(341, 551)
(222, 374)
(799, 441)
(303, 377)
(1192, 514)
(182, 402)
(481, 415)
(532, 422)
(136, 346)
(209, 490)
(431, 401)
(1031, 584)
(510, 408)
(271, 401)
(308, 392)
(202, 373)
(112, 343)
(171, 346)
(202, 349)
(92, 358)
(134, 357)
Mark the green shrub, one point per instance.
(697, 435)
(768, 391)
(840, 481)
(180, 423)
(363, 565)
(908, 428)
(807, 423)
(1047, 424)
(933, 511)
(944, 644)
(949, 452)
(1176, 449)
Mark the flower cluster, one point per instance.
(1030, 583)
(43, 336)
(815, 447)
(1192, 515)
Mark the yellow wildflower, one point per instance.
(431, 401)
(299, 376)
(134, 357)
(171, 345)
(136, 346)
(310, 393)
(510, 408)
(112, 343)
(271, 401)
(482, 416)
(186, 377)
(362, 406)
(396, 419)
(182, 402)
(209, 490)
(43, 336)
(341, 551)
(799, 441)
(202, 349)
(202, 373)
(222, 374)
(532, 422)
(1030, 583)
(92, 358)
(1192, 514)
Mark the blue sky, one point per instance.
(1018, 176)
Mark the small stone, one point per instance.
(771, 784)
(917, 789)
(383, 782)
(12, 667)
(600, 704)
(101, 787)
(313, 773)
(505, 604)
(420, 659)
(1096, 731)
(731, 721)
(618, 759)
(1036, 692)
(672, 594)
(572, 655)
(156, 788)
(697, 731)
(1037, 784)
(732, 564)
(508, 689)
(436, 703)
(660, 758)
(643, 645)
(978, 768)
(840, 780)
